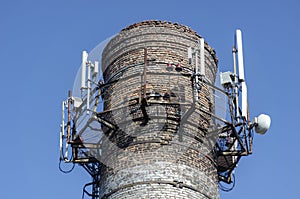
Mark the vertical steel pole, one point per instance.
(235, 84)
(88, 88)
(62, 130)
(145, 74)
(69, 116)
(196, 71)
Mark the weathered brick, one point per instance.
(166, 157)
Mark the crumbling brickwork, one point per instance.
(158, 146)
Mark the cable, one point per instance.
(65, 171)
(223, 188)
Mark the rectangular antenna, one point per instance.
(240, 54)
(96, 67)
(202, 66)
(244, 100)
(83, 68)
(89, 66)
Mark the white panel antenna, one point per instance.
(89, 64)
(241, 73)
(96, 68)
(83, 69)
(240, 54)
(244, 100)
(202, 66)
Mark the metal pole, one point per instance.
(196, 71)
(88, 88)
(69, 116)
(202, 57)
(145, 74)
(62, 129)
(68, 124)
(235, 84)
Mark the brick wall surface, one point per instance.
(159, 149)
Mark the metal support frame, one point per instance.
(236, 128)
(93, 170)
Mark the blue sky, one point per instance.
(40, 52)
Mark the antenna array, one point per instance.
(232, 135)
